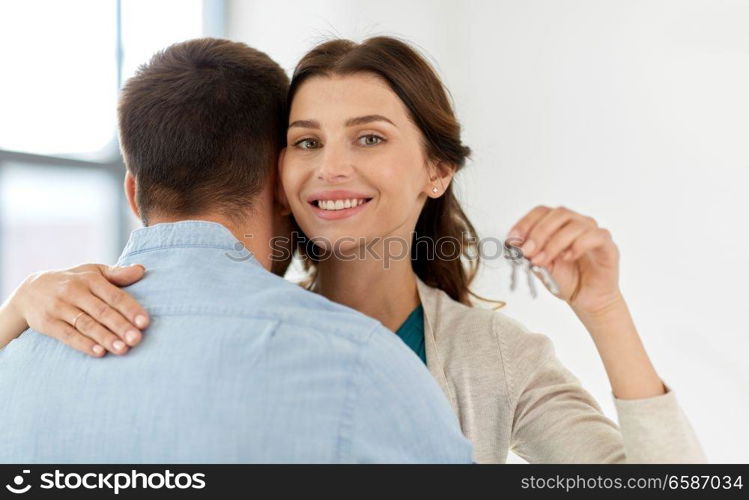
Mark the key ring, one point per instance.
(514, 254)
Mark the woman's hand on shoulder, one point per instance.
(84, 307)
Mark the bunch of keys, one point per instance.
(517, 259)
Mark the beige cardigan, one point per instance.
(510, 392)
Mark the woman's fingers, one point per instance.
(121, 302)
(544, 229)
(61, 303)
(123, 275)
(540, 225)
(109, 318)
(91, 328)
(70, 336)
(521, 229)
(560, 241)
(590, 240)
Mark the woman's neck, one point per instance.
(387, 295)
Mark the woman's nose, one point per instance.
(336, 166)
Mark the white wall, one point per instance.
(633, 112)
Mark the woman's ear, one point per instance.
(281, 199)
(440, 176)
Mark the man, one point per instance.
(239, 365)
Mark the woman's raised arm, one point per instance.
(82, 307)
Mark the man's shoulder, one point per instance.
(206, 280)
(291, 304)
(248, 294)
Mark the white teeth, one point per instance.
(339, 204)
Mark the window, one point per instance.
(53, 216)
(60, 97)
(61, 174)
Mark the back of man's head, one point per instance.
(200, 127)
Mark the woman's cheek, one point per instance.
(290, 183)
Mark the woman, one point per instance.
(372, 147)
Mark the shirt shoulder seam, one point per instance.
(345, 434)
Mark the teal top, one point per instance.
(412, 332)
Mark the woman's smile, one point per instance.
(335, 205)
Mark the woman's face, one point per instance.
(354, 169)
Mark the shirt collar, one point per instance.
(188, 233)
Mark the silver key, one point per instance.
(514, 275)
(516, 258)
(531, 282)
(547, 279)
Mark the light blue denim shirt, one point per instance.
(238, 365)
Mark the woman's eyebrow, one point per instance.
(361, 120)
(351, 122)
(305, 124)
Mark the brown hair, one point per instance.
(201, 125)
(416, 83)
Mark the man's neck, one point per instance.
(255, 233)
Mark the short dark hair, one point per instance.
(201, 125)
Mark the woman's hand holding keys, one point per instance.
(584, 261)
(580, 256)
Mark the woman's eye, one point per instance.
(370, 140)
(307, 144)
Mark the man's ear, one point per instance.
(281, 199)
(440, 176)
(130, 192)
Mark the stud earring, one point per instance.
(435, 190)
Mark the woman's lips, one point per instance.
(340, 213)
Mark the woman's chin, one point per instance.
(344, 235)
(341, 243)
